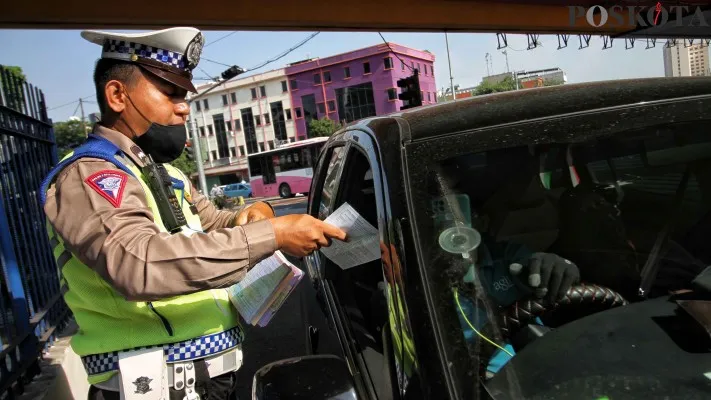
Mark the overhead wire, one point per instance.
(396, 55)
(276, 58)
(223, 37)
(70, 103)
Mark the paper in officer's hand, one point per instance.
(362, 245)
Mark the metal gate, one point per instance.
(32, 310)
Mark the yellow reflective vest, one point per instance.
(108, 323)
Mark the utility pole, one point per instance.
(507, 60)
(198, 155)
(83, 125)
(449, 61)
(487, 58)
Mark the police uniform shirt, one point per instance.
(122, 243)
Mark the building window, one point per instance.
(297, 111)
(418, 67)
(402, 65)
(214, 154)
(233, 152)
(238, 125)
(425, 67)
(241, 151)
(287, 112)
(254, 93)
(355, 102)
(209, 130)
(321, 108)
(346, 72)
(263, 91)
(292, 140)
(388, 61)
(429, 98)
(271, 144)
(327, 76)
(224, 99)
(206, 104)
(258, 120)
(202, 131)
(366, 67)
(432, 70)
(331, 106)
(294, 85)
(197, 106)
(266, 119)
(261, 146)
(234, 97)
(284, 87)
(392, 94)
(229, 125)
(317, 79)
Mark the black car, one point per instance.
(614, 176)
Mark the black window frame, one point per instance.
(388, 60)
(346, 72)
(366, 68)
(254, 93)
(284, 87)
(317, 79)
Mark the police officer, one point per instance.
(142, 254)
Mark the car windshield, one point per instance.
(608, 205)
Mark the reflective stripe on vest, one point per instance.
(110, 324)
(400, 335)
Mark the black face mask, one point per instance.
(164, 143)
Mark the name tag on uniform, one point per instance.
(144, 375)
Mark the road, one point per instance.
(286, 334)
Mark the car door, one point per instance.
(229, 191)
(355, 297)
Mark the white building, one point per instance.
(243, 116)
(680, 60)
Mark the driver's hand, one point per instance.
(547, 274)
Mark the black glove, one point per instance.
(546, 274)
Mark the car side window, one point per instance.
(330, 183)
(360, 290)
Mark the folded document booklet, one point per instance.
(258, 296)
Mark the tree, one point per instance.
(182, 163)
(13, 89)
(323, 127)
(68, 135)
(487, 87)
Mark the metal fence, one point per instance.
(32, 310)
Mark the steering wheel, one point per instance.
(523, 312)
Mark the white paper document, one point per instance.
(363, 244)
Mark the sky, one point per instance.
(61, 63)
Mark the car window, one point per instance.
(330, 181)
(360, 290)
(601, 203)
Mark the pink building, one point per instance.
(358, 84)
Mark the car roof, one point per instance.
(515, 106)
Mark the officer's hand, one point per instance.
(256, 212)
(300, 234)
(547, 273)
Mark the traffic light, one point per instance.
(410, 93)
(190, 151)
(231, 72)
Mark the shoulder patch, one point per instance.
(110, 184)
